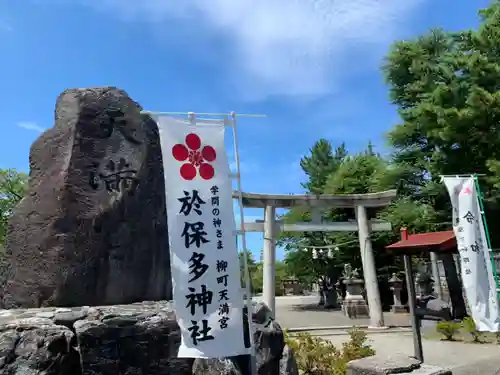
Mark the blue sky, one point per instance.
(312, 66)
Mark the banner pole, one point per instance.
(487, 232)
(248, 290)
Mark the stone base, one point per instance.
(398, 309)
(379, 365)
(355, 309)
(141, 338)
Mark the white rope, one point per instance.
(327, 246)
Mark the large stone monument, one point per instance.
(92, 228)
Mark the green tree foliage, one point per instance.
(252, 266)
(256, 273)
(13, 185)
(357, 174)
(281, 273)
(447, 89)
(301, 265)
(360, 173)
(318, 165)
(321, 162)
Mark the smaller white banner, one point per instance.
(476, 268)
(205, 267)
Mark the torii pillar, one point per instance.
(369, 268)
(269, 271)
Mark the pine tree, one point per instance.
(447, 89)
(320, 164)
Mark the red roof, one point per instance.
(433, 241)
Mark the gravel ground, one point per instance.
(302, 311)
(453, 355)
(463, 358)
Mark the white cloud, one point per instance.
(31, 126)
(283, 46)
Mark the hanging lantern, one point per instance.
(315, 254)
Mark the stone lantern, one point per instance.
(425, 288)
(396, 285)
(354, 305)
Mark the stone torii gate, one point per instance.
(317, 204)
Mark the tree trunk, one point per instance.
(331, 298)
(455, 291)
(321, 292)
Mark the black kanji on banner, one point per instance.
(201, 299)
(196, 266)
(194, 233)
(469, 217)
(200, 333)
(191, 202)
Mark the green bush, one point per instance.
(448, 329)
(316, 356)
(470, 327)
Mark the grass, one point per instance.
(461, 336)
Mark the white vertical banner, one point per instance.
(205, 266)
(476, 268)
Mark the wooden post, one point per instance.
(412, 298)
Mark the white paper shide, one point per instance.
(204, 259)
(476, 267)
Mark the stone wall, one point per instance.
(136, 339)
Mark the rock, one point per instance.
(67, 319)
(398, 364)
(435, 309)
(383, 365)
(143, 340)
(45, 314)
(269, 340)
(81, 236)
(140, 338)
(272, 356)
(36, 346)
(288, 364)
(223, 366)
